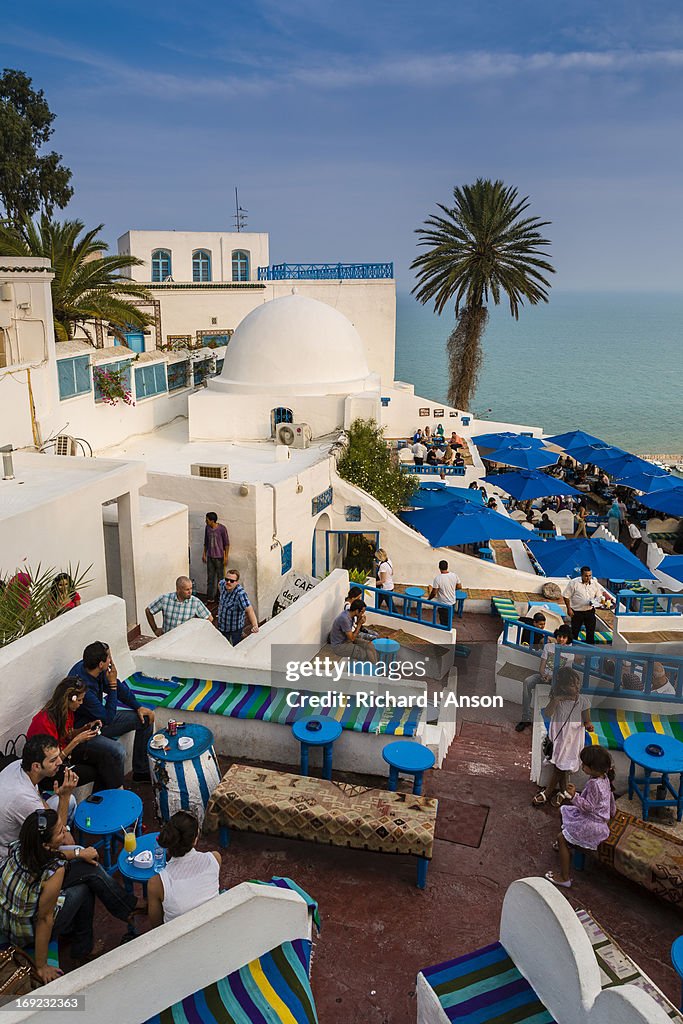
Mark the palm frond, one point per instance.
(27, 599)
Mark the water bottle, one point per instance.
(159, 858)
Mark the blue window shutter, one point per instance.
(65, 376)
(82, 374)
(140, 382)
(159, 378)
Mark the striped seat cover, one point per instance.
(614, 725)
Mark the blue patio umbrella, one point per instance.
(607, 559)
(462, 522)
(439, 494)
(573, 439)
(597, 454)
(522, 455)
(627, 465)
(528, 484)
(503, 438)
(646, 480)
(672, 565)
(666, 499)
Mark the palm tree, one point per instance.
(88, 285)
(480, 247)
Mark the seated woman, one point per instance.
(448, 456)
(57, 719)
(189, 879)
(63, 593)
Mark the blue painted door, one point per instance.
(135, 340)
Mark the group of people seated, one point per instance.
(49, 884)
(433, 448)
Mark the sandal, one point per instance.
(540, 798)
(557, 800)
(556, 846)
(556, 881)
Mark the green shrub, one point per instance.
(368, 463)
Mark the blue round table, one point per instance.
(184, 779)
(329, 731)
(677, 959)
(667, 764)
(385, 648)
(460, 598)
(408, 757)
(129, 872)
(413, 592)
(118, 809)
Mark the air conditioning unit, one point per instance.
(65, 445)
(210, 470)
(296, 435)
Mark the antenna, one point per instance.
(240, 217)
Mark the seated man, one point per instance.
(22, 782)
(344, 634)
(112, 702)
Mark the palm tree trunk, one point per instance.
(465, 355)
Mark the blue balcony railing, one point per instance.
(326, 272)
(631, 603)
(410, 609)
(435, 470)
(605, 673)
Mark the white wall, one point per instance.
(169, 963)
(182, 244)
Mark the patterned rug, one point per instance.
(460, 822)
(646, 854)
(485, 987)
(614, 725)
(275, 989)
(265, 703)
(335, 813)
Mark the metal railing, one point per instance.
(326, 272)
(409, 609)
(630, 603)
(434, 470)
(604, 673)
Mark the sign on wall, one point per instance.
(438, 413)
(423, 412)
(293, 586)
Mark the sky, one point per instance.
(344, 124)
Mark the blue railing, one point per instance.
(410, 609)
(619, 673)
(631, 603)
(429, 470)
(326, 272)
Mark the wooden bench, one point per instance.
(335, 813)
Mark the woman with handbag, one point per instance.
(569, 715)
(57, 719)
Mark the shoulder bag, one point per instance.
(548, 744)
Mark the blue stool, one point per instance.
(310, 735)
(413, 592)
(129, 872)
(116, 810)
(460, 598)
(385, 648)
(411, 759)
(677, 959)
(486, 554)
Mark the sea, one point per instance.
(608, 363)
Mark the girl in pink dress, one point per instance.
(586, 818)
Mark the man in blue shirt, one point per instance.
(113, 703)
(234, 607)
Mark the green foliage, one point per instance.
(481, 246)
(88, 285)
(29, 181)
(28, 599)
(359, 575)
(112, 385)
(367, 462)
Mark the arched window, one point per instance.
(280, 415)
(201, 265)
(240, 265)
(161, 264)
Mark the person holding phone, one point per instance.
(57, 719)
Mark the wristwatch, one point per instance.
(77, 851)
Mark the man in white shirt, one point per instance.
(635, 536)
(419, 453)
(582, 597)
(22, 782)
(444, 587)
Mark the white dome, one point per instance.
(294, 345)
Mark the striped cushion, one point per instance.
(614, 725)
(275, 989)
(602, 636)
(483, 987)
(505, 607)
(268, 704)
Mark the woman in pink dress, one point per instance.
(569, 715)
(586, 818)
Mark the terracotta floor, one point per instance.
(379, 929)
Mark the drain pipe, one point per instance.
(274, 540)
(7, 463)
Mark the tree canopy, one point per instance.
(367, 462)
(30, 181)
(478, 248)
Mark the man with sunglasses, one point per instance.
(234, 607)
(21, 785)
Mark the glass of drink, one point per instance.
(130, 844)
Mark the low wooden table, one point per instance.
(335, 813)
